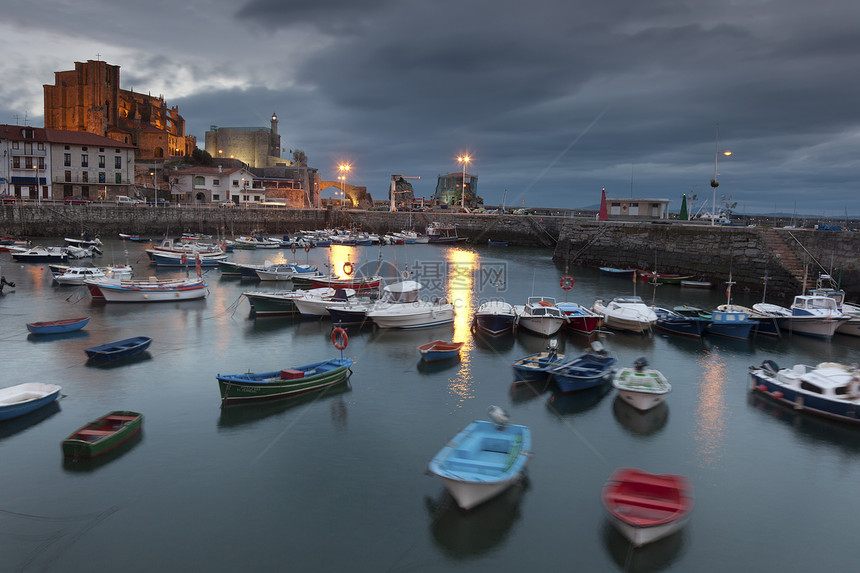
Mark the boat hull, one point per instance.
(265, 304)
(545, 326)
(25, 398)
(644, 390)
(439, 350)
(494, 324)
(535, 367)
(118, 350)
(842, 410)
(683, 326)
(145, 293)
(58, 326)
(412, 318)
(817, 327)
(247, 388)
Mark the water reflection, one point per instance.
(122, 362)
(459, 289)
(425, 367)
(499, 344)
(234, 416)
(656, 556)
(577, 402)
(711, 410)
(13, 426)
(465, 534)
(40, 338)
(525, 391)
(637, 422)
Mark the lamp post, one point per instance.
(714, 182)
(344, 169)
(36, 182)
(465, 160)
(155, 188)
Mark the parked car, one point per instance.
(161, 202)
(77, 200)
(8, 199)
(124, 200)
(227, 204)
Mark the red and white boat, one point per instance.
(579, 318)
(646, 507)
(152, 290)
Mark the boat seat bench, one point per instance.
(120, 418)
(646, 502)
(95, 432)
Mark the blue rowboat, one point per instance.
(482, 461)
(119, 349)
(24, 398)
(58, 326)
(439, 350)
(534, 367)
(731, 324)
(584, 371)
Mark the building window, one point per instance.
(215, 197)
(119, 177)
(85, 160)
(40, 146)
(101, 161)
(117, 162)
(199, 181)
(16, 162)
(67, 148)
(83, 148)
(41, 161)
(67, 160)
(68, 177)
(235, 182)
(117, 150)
(28, 162)
(101, 149)
(14, 145)
(85, 190)
(102, 177)
(216, 182)
(67, 190)
(85, 176)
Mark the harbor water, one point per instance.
(337, 481)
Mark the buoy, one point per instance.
(339, 338)
(307, 248)
(545, 303)
(347, 268)
(761, 388)
(566, 282)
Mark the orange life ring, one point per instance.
(339, 338)
(348, 268)
(307, 248)
(545, 303)
(566, 282)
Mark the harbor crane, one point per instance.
(394, 178)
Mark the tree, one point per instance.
(200, 157)
(299, 158)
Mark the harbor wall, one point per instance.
(706, 252)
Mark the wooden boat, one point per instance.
(440, 234)
(664, 278)
(75, 276)
(492, 243)
(418, 314)
(495, 317)
(646, 507)
(24, 398)
(119, 349)
(643, 388)
(152, 290)
(356, 283)
(579, 318)
(483, 460)
(103, 435)
(585, 371)
(535, 367)
(134, 238)
(250, 387)
(612, 271)
(830, 389)
(58, 326)
(439, 350)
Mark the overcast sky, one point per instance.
(553, 99)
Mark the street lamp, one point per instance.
(714, 182)
(155, 187)
(344, 169)
(36, 182)
(465, 159)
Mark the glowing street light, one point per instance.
(344, 170)
(154, 186)
(464, 159)
(714, 182)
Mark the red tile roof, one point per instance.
(15, 132)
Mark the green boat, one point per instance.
(663, 278)
(103, 435)
(250, 387)
(271, 303)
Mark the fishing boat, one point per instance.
(440, 234)
(540, 315)
(439, 350)
(418, 314)
(250, 387)
(535, 367)
(58, 326)
(483, 460)
(75, 276)
(270, 303)
(495, 317)
(41, 254)
(696, 284)
(762, 323)
(186, 260)
(316, 304)
(731, 324)
(626, 313)
(118, 350)
(643, 388)
(688, 310)
(287, 271)
(151, 290)
(24, 398)
(671, 321)
(585, 371)
(133, 238)
(579, 318)
(664, 278)
(830, 389)
(492, 243)
(825, 286)
(646, 507)
(103, 434)
(814, 315)
(614, 272)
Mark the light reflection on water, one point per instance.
(711, 409)
(459, 288)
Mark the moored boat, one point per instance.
(586, 371)
(439, 350)
(664, 278)
(535, 367)
(58, 326)
(626, 313)
(251, 387)
(103, 434)
(25, 398)
(731, 324)
(483, 459)
(75, 276)
(118, 350)
(643, 388)
(615, 272)
(646, 507)
(495, 317)
(579, 318)
(829, 389)
(670, 321)
(152, 290)
(540, 315)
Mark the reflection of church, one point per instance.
(89, 99)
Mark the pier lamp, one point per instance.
(344, 170)
(155, 187)
(464, 159)
(714, 182)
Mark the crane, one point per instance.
(394, 186)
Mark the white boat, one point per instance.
(495, 317)
(829, 389)
(24, 398)
(643, 388)
(827, 287)
(540, 315)
(812, 315)
(286, 272)
(152, 290)
(39, 254)
(416, 314)
(316, 304)
(483, 460)
(76, 275)
(270, 303)
(626, 313)
(355, 311)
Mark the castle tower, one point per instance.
(274, 138)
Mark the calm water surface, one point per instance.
(336, 481)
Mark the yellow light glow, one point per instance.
(727, 153)
(460, 291)
(340, 255)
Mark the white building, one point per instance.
(49, 164)
(630, 207)
(215, 184)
